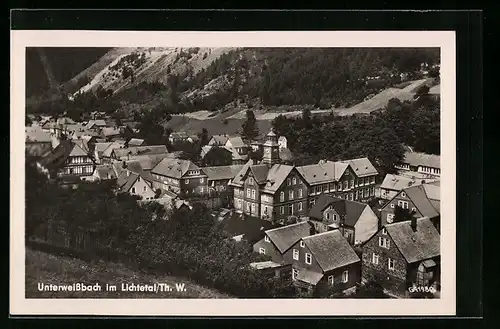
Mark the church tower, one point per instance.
(271, 154)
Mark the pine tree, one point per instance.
(250, 129)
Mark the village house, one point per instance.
(393, 184)
(178, 137)
(67, 159)
(356, 221)
(180, 176)
(124, 153)
(133, 181)
(256, 145)
(207, 148)
(104, 172)
(193, 139)
(270, 190)
(106, 155)
(323, 264)
(423, 200)
(428, 164)
(38, 142)
(219, 177)
(99, 149)
(111, 133)
(273, 270)
(277, 241)
(96, 125)
(403, 254)
(351, 179)
(218, 140)
(237, 144)
(282, 142)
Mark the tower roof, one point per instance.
(271, 134)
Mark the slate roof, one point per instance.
(115, 145)
(331, 250)
(36, 134)
(140, 150)
(351, 210)
(58, 156)
(397, 182)
(308, 276)
(222, 172)
(416, 246)
(362, 167)
(105, 172)
(286, 236)
(422, 159)
(272, 177)
(101, 147)
(421, 201)
(125, 182)
(83, 144)
(322, 172)
(175, 168)
(219, 139)
(149, 161)
(135, 142)
(236, 142)
(110, 131)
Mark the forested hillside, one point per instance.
(258, 78)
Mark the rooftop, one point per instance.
(286, 236)
(422, 159)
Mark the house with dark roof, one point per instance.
(323, 263)
(403, 254)
(353, 179)
(243, 228)
(277, 241)
(219, 177)
(393, 184)
(270, 190)
(67, 159)
(38, 142)
(218, 140)
(422, 200)
(180, 176)
(355, 220)
(135, 142)
(428, 164)
(104, 172)
(135, 184)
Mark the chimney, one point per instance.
(413, 224)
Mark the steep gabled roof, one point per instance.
(276, 176)
(260, 172)
(175, 168)
(422, 159)
(331, 250)
(322, 172)
(238, 179)
(235, 142)
(362, 167)
(397, 182)
(350, 210)
(58, 156)
(222, 172)
(219, 139)
(415, 246)
(421, 201)
(285, 237)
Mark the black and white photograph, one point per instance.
(234, 172)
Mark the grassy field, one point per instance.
(50, 269)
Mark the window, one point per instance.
(295, 274)
(295, 254)
(392, 205)
(403, 204)
(248, 193)
(328, 215)
(356, 195)
(413, 209)
(351, 196)
(253, 207)
(282, 210)
(262, 251)
(375, 259)
(403, 194)
(345, 276)
(266, 238)
(288, 182)
(383, 242)
(202, 180)
(352, 183)
(300, 206)
(372, 179)
(282, 196)
(290, 195)
(290, 209)
(313, 201)
(372, 191)
(133, 190)
(345, 185)
(346, 234)
(144, 188)
(250, 180)
(308, 259)
(390, 264)
(330, 280)
(253, 194)
(139, 178)
(300, 193)
(186, 181)
(294, 181)
(302, 244)
(384, 231)
(332, 186)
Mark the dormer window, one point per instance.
(250, 180)
(403, 194)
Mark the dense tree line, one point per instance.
(182, 242)
(379, 136)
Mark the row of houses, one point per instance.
(397, 256)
